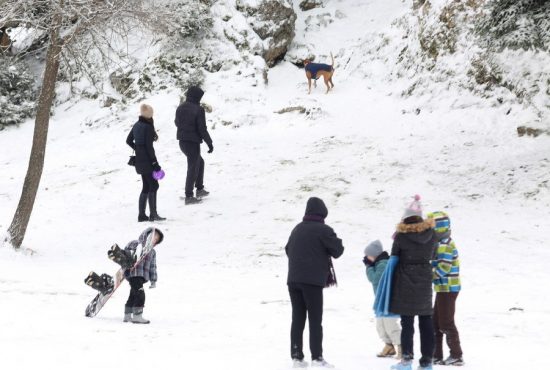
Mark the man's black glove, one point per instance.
(210, 148)
(156, 166)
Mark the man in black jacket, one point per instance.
(191, 123)
(309, 249)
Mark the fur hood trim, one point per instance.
(416, 228)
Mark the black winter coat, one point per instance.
(411, 293)
(310, 246)
(141, 139)
(191, 119)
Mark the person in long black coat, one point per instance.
(191, 123)
(309, 249)
(411, 294)
(141, 138)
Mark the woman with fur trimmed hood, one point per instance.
(411, 294)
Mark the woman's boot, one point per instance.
(142, 203)
(154, 216)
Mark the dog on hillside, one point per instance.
(315, 70)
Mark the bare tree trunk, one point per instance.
(22, 215)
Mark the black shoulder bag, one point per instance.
(132, 161)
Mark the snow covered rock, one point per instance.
(530, 131)
(274, 22)
(306, 5)
(495, 49)
(123, 83)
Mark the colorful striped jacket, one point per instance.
(446, 265)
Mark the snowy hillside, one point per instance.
(221, 301)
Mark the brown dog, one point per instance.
(316, 70)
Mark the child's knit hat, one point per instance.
(413, 209)
(442, 223)
(374, 249)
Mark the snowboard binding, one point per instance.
(125, 258)
(104, 283)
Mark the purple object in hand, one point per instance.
(158, 175)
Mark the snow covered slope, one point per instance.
(221, 300)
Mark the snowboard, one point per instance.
(101, 299)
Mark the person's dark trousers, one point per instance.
(150, 185)
(195, 166)
(137, 294)
(426, 327)
(444, 324)
(307, 301)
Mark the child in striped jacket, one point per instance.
(446, 267)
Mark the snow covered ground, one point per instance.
(221, 300)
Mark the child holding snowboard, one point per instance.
(388, 328)
(145, 271)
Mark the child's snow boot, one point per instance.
(320, 362)
(127, 314)
(453, 361)
(387, 351)
(402, 365)
(138, 318)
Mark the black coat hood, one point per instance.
(194, 94)
(316, 207)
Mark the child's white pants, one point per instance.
(389, 330)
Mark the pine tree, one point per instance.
(518, 24)
(17, 91)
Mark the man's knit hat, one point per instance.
(413, 209)
(146, 111)
(374, 249)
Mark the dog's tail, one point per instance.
(332, 56)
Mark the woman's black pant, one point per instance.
(427, 340)
(307, 302)
(150, 185)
